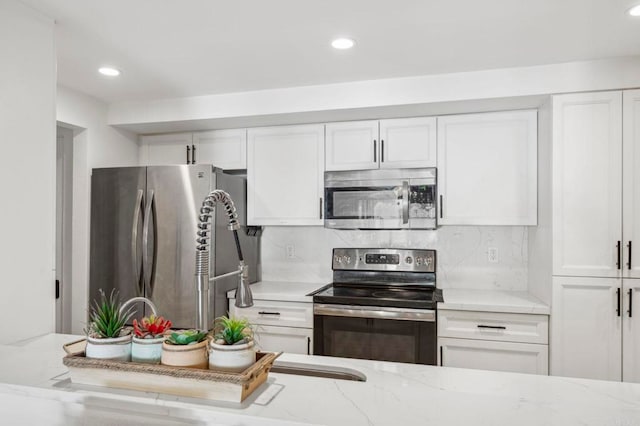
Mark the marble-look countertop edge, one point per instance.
(281, 291)
(480, 307)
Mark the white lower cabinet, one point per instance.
(493, 341)
(595, 328)
(279, 325)
(495, 356)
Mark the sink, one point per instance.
(315, 370)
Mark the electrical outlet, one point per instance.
(291, 251)
(492, 255)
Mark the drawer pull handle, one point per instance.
(493, 327)
(268, 313)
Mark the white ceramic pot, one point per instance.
(114, 348)
(231, 357)
(191, 356)
(147, 350)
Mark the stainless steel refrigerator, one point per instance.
(143, 237)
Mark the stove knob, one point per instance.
(418, 261)
(428, 261)
(337, 259)
(347, 259)
(409, 260)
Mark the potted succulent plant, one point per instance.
(107, 337)
(232, 348)
(187, 348)
(148, 338)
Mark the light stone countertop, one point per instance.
(35, 389)
(518, 302)
(454, 299)
(281, 290)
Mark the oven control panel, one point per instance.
(407, 260)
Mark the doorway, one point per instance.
(64, 206)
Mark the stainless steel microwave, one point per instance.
(380, 199)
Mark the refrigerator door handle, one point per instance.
(134, 243)
(146, 269)
(154, 256)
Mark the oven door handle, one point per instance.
(405, 202)
(375, 312)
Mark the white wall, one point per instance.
(27, 171)
(95, 144)
(461, 253)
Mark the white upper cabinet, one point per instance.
(408, 143)
(587, 184)
(631, 184)
(352, 145)
(396, 143)
(285, 180)
(226, 149)
(160, 150)
(487, 168)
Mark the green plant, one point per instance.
(186, 337)
(232, 330)
(151, 326)
(106, 319)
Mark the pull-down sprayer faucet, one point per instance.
(244, 298)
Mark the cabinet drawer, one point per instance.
(284, 339)
(269, 312)
(524, 328)
(495, 356)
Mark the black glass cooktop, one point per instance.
(414, 297)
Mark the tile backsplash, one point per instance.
(462, 253)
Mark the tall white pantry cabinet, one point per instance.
(595, 321)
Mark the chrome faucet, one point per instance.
(244, 298)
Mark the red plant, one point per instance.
(151, 326)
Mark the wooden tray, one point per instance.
(191, 382)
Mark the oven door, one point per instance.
(375, 333)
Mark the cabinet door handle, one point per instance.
(188, 154)
(375, 153)
(618, 297)
(630, 303)
(618, 259)
(320, 207)
(441, 357)
(441, 206)
(308, 345)
(193, 154)
(629, 253)
(493, 327)
(382, 150)
(268, 313)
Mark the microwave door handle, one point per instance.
(405, 202)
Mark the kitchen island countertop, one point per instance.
(35, 389)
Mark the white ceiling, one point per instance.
(178, 48)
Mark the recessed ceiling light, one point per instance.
(635, 10)
(342, 43)
(108, 71)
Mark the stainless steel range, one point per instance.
(380, 306)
